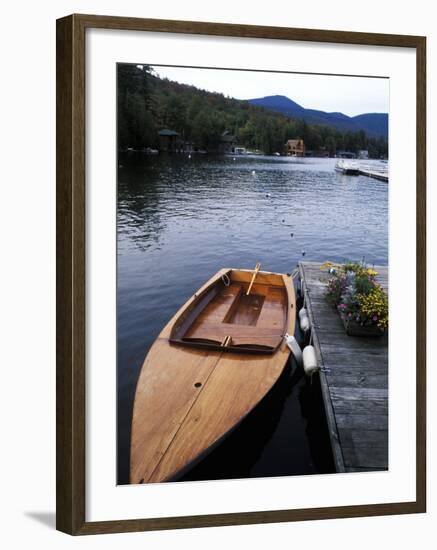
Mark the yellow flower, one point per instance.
(375, 305)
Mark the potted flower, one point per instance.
(361, 302)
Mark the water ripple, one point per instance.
(179, 221)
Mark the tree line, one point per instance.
(147, 104)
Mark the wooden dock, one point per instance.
(354, 379)
(382, 176)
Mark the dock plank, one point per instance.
(358, 379)
(362, 421)
(354, 379)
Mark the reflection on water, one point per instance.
(180, 220)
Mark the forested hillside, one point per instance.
(147, 104)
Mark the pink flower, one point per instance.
(375, 318)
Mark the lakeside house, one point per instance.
(169, 141)
(295, 147)
(228, 143)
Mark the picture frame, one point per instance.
(71, 155)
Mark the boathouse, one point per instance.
(169, 141)
(295, 147)
(228, 143)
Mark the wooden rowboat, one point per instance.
(211, 364)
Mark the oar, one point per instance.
(257, 268)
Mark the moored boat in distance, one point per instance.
(209, 367)
(348, 167)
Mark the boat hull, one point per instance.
(189, 397)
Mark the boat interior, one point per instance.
(225, 317)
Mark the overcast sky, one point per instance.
(349, 95)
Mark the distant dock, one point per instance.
(353, 379)
(376, 174)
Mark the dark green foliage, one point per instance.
(147, 104)
(136, 120)
(363, 284)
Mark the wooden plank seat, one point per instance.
(257, 319)
(240, 334)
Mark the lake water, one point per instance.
(180, 220)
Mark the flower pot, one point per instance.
(353, 328)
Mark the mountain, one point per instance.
(278, 103)
(374, 124)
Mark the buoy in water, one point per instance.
(309, 358)
(253, 172)
(303, 252)
(291, 234)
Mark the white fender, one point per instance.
(294, 347)
(303, 312)
(309, 358)
(304, 323)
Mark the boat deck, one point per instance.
(355, 384)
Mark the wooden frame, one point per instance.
(70, 205)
